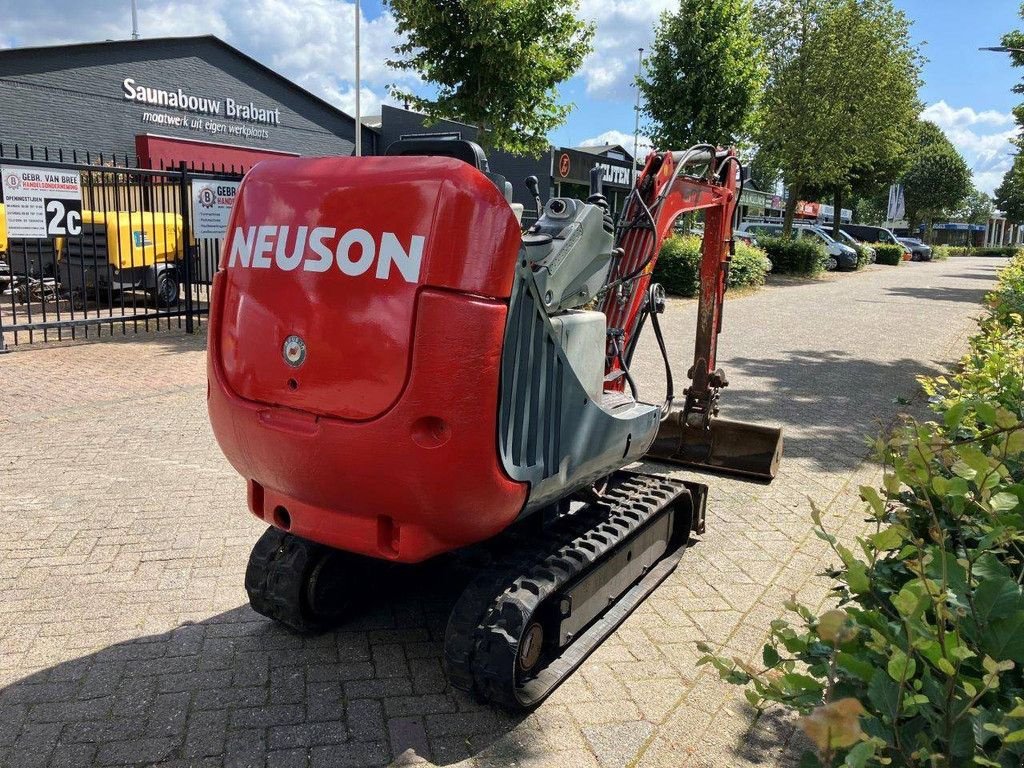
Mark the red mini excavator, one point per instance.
(399, 371)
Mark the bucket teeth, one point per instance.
(726, 447)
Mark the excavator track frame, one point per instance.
(580, 557)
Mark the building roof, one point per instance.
(604, 149)
(186, 40)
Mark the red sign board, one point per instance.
(563, 165)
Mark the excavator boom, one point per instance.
(667, 188)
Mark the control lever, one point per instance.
(596, 188)
(534, 186)
(597, 197)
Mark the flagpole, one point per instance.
(359, 119)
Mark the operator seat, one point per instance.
(467, 151)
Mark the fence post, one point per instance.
(186, 234)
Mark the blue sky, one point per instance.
(966, 91)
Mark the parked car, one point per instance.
(919, 250)
(868, 234)
(850, 240)
(839, 256)
(746, 237)
(880, 235)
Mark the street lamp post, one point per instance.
(636, 124)
(1001, 49)
(359, 119)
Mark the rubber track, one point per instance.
(482, 637)
(276, 576)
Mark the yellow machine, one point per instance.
(125, 251)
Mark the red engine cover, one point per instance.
(355, 343)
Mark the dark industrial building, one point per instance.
(192, 99)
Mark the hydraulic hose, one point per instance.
(652, 304)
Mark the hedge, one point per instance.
(922, 662)
(889, 254)
(863, 257)
(678, 267)
(802, 256)
(959, 250)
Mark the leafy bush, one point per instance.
(748, 267)
(803, 256)
(922, 663)
(941, 252)
(1003, 252)
(863, 257)
(678, 267)
(679, 264)
(887, 253)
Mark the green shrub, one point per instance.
(887, 253)
(1006, 252)
(941, 252)
(999, 251)
(922, 663)
(794, 257)
(748, 267)
(863, 257)
(679, 264)
(678, 267)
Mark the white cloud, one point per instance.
(942, 114)
(989, 152)
(310, 42)
(623, 139)
(623, 26)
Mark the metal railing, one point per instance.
(128, 264)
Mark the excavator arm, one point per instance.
(703, 178)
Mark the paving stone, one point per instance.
(151, 750)
(351, 755)
(306, 735)
(365, 718)
(618, 745)
(126, 634)
(408, 739)
(288, 758)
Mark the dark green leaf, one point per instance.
(883, 694)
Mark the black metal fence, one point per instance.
(123, 260)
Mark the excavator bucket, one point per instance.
(726, 447)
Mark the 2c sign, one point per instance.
(63, 217)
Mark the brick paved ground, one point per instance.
(125, 637)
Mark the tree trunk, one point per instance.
(791, 200)
(837, 206)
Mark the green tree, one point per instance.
(1009, 197)
(842, 93)
(870, 209)
(937, 180)
(763, 172)
(877, 81)
(1010, 193)
(975, 209)
(703, 75)
(496, 64)
(792, 135)
(1015, 39)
